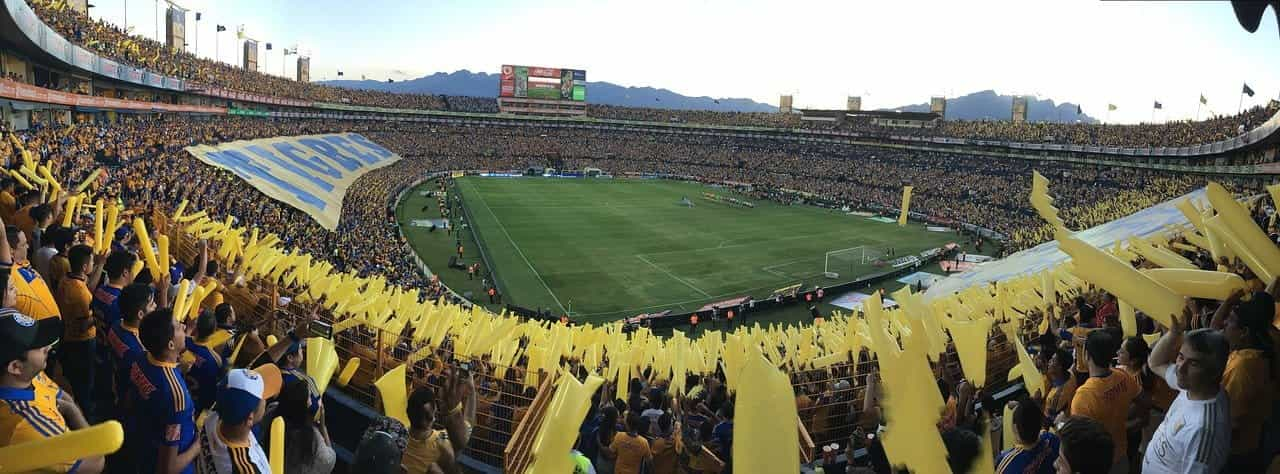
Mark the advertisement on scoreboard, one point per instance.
(542, 83)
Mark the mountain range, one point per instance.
(988, 105)
(976, 106)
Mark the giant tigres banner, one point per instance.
(309, 172)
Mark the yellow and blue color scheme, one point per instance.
(309, 172)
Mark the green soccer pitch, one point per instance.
(605, 249)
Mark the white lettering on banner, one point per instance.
(310, 172)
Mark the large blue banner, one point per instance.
(309, 172)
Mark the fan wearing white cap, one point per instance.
(227, 444)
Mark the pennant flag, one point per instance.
(1247, 91)
(1158, 106)
(1111, 107)
(1203, 100)
(221, 29)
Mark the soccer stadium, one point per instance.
(250, 262)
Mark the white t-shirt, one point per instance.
(1195, 436)
(216, 457)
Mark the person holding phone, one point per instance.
(426, 446)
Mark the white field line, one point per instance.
(517, 247)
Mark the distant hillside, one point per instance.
(481, 84)
(976, 106)
(987, 105)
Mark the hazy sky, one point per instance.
(889, 52)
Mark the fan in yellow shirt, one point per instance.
(425, 447)
(1060, 385)
(34, 298)
(1248, 375)
(1107, 393)
(629, 449)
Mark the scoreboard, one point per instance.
(543, 83)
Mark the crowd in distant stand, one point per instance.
(113, 42)
(145, 163)
(145, 166)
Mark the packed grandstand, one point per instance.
(378, 365)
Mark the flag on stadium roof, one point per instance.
(1203, 100)
(1158, 106)
(221, 28)
(1247, 90)
(1111, 107)
(339, 73)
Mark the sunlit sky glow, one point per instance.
(891, 53)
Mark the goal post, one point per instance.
(847, 260)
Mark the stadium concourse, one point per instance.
(248, 314)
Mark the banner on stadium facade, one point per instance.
(309, 172)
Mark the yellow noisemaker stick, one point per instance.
(98, 440)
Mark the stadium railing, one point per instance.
(504, 398)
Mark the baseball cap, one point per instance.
(243, 389)
(20, 333)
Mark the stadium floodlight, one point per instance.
(848, 259)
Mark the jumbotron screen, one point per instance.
(529, 82)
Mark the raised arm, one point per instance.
(1220, 316)
(1165, 351)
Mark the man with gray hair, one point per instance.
(1195, 435)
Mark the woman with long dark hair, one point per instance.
(1132, 359)
(307, 447)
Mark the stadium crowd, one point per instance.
(1166, 134)
(146, 163)
(85, 338)
(115, 43)
(146, 168)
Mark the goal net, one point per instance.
(849, 260)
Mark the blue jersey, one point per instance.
(106, 303)
(123, 348)
(1035, 459)
(288, 376)
(163, 413)
(202, 377)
